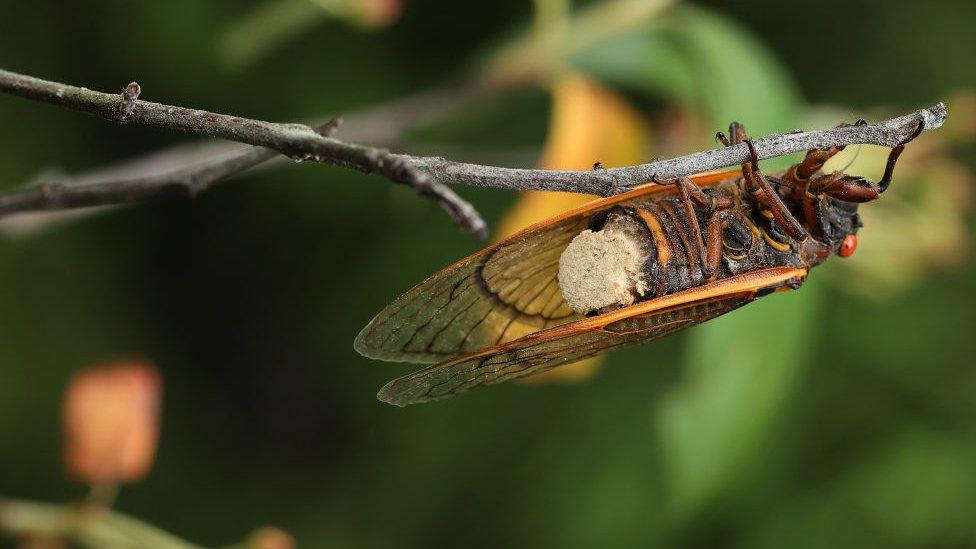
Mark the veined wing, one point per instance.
(569, 343)
(505, 291)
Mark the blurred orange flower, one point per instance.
(589, 124)
(270, 537)
(381, 13)
(111, 421)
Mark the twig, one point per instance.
(294, 140)
(200, 165)
(611, 181)
(425, 174)
(127, 190)
(383, 124)
(386, 123)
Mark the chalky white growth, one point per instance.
(601, 270)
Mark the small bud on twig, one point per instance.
(330, 127)
(129, 96)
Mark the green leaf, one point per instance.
(914, 492)
(704, 62)
(645, 61)
(740, 370)
(736, 76)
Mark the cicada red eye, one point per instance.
(848, 246)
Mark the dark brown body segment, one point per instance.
(748, 242)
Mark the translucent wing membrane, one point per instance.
(499, 294)
(569, 343)
(522, 275)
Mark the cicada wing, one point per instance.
(569, 343)
(503, 292)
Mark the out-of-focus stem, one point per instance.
(83, 526)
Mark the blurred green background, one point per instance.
(823, 417)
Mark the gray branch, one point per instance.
(427, 175)
(298, 141)
(189, 182)
(191, 168)
(608, 182)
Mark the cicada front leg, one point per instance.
(811, 190)
(815, 159)
(850, 188)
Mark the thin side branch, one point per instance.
(127, 190)
(427, 175)
(199, 166)
(297, 141)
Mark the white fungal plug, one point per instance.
(604, 270)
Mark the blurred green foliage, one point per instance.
(816, 418)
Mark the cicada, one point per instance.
(620, 271)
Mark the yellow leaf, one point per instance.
(589, 123)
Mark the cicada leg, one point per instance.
(852, 188)
(798, 176)
(690, 194)
(722, 205)
(709, 244)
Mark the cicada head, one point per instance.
(840, 229)
(834, 223)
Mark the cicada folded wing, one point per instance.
(505, 291)
(501, 293)
(575, 341)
